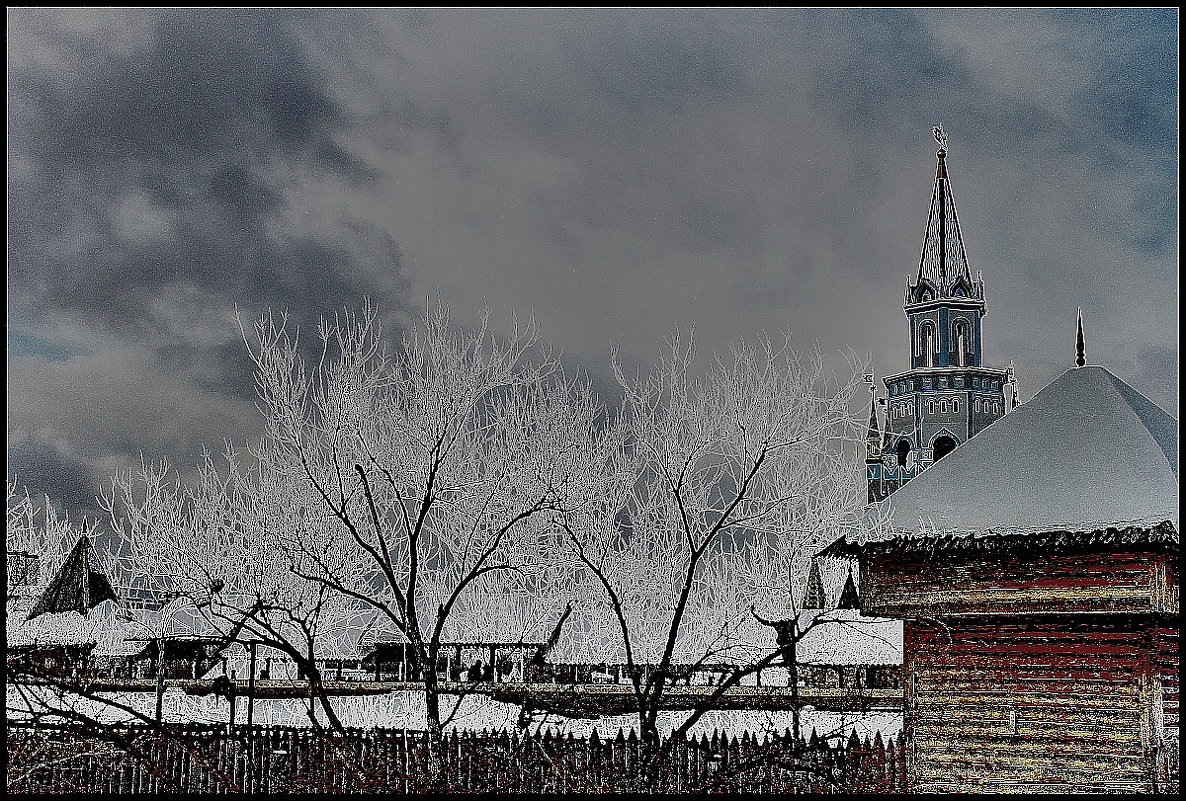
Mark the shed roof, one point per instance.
(1086, 453)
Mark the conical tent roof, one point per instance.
(849, 599)
(76, 587)
(814, 597)
(1085, 454)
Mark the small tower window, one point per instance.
(955, 405)
(903, 451)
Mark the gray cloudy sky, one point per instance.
(619, 172)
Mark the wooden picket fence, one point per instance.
(272, 759)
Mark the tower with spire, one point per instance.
(947, 396)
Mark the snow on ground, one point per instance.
(406, 710)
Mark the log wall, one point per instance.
(1050, 703)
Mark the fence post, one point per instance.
(900, 758)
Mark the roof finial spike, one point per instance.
(941, 138)
(1080, 351)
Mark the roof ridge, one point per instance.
(1160, 424)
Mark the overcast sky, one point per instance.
(621, 173)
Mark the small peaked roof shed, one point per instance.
(1086, 454)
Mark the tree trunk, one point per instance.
(435, 733)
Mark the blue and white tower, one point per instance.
(947, 396)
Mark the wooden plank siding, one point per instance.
(919, 583)
(1169, 669)
(1030, 703)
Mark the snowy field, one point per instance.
(406, 710)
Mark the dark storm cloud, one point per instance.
(767, 169)
(41, 467)
(621, 172)
(155, 189)
(167, 170)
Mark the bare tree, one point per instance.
(389, 490)
(733, 474)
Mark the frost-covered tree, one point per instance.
(391, 490)
(215, 549)
(734, 474)
(37, 538)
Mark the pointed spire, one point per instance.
(849, 599)
(943, 257)
(814, 597)
(873, 437)
(1080, 350)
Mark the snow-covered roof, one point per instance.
(106, 625)
(1087, 453)
(105, 622)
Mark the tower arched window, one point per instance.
(926, 344)
(961, 342)
(955, 405)
(943, 446)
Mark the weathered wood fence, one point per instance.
(272, 759)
